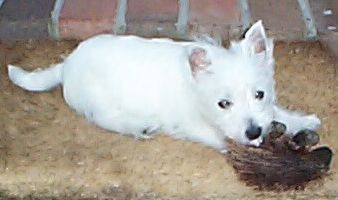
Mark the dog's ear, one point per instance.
(198, 60)
(256, 42)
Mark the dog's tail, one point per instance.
(38, 80)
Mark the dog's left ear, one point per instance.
(198, 60)
(256, 42)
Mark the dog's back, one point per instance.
(134, 78)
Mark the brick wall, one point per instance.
(223, 19)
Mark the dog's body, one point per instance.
(193, 90)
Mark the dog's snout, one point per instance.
(253, 132)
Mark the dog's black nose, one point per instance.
(253, 132)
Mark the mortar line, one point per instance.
(1, 2)
(53, 25)
(245, 14)
(311, 32)
(182, 19)
(120, 25)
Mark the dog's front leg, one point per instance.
(295, 122)
(200, 132)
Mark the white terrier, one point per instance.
(191, 90)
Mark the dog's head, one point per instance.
(236, 85)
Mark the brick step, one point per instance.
(79, 19)
(325, 13)
(161, 18)
(330, 41)
(283, 19)
(24, 19)
(149, 18)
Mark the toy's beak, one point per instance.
(257, 142)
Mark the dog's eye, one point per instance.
(259, 95)
(224, 104)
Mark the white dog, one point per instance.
(191, 90)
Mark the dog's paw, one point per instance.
(306, 138)
(276, 129)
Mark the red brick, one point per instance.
(322, 22)
(81, 19)
(217, 18)
(152, 29)
(152, 10)
(282, 19)
(214, 31)
(214, 12)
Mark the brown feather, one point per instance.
(279, 163)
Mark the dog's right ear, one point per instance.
(256, 41)
(198, 60)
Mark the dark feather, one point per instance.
(279, 163)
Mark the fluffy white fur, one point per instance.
(140, 86)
